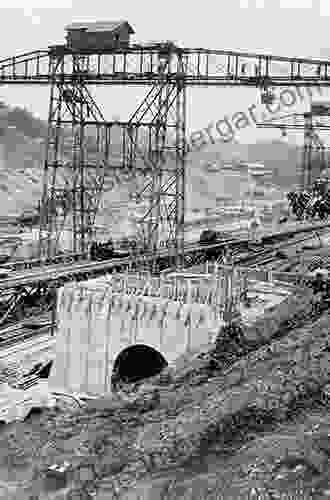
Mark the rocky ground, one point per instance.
(197, 431)
(223, 423)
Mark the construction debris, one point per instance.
(16, 404)
(218, 400)
(163, 426)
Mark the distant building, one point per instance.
(261, 173)
(224, 199)
(212, 167)
(246, 168)
(231, 167)
(256, 169)
(98, 35)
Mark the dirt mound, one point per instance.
(165, 426)
(134, 441)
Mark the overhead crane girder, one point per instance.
(139, 64)
(168, 69)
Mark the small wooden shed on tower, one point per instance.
(100, 35)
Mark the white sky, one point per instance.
(281, 27)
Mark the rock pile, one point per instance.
(164, 426)
(263, 386)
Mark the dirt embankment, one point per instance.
(182, 432)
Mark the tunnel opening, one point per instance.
(136, 363)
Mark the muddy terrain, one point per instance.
(256, 426)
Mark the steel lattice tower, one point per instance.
(82, 153)
(152, 147)
(313, 148)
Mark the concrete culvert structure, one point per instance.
(136, 363)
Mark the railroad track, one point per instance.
(19, 336)
(268, 255)
(19, 332)
(24, 330)
(11, 350)
(70, 271)
(22, 334)
(60, 271)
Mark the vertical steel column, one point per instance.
(44, 197)
(306, 179)
(75, 167)
(51, 157)
(163, 110)
(180, 170)
(80, 215)
(72, 184)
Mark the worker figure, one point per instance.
(93, 250)
(320, 283)
(322, 186)
(254, 227)
(236, 334)
(226, 259)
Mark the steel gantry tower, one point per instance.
(314, 147)
(84, 151)
(75, 175)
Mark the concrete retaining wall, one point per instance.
(264, 328)
(95, 325)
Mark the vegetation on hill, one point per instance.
(22, 155)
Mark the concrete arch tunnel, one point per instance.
(135, 363)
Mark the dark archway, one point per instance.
(136, 363)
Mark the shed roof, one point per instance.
(98, 26)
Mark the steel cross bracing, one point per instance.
(74, 177)
(25, 299)
(311, 125)
(161, 146)
(74, 180)
(72, 184)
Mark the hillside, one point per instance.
(282, 158)
(198, 430)
(22, 156)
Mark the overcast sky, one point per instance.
(281, 27)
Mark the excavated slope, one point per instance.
(241, 420)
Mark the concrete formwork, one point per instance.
(283, 303)
(96, 323)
